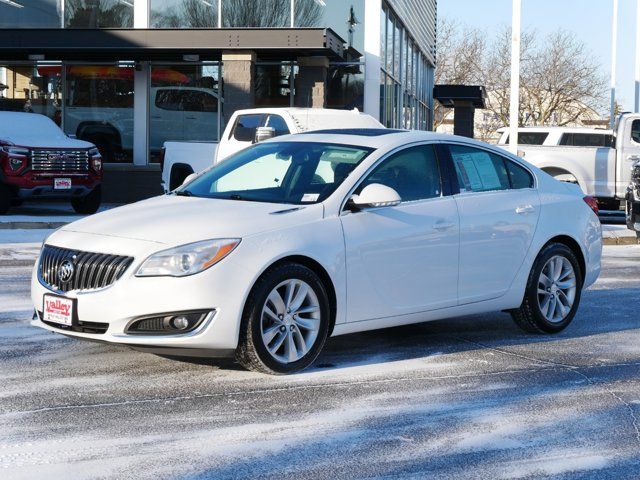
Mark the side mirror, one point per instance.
(190, 177)
(264, 133)
(375, 195)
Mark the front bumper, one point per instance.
(220, 290)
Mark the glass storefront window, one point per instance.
(32, 88)
(184, 13)
(344, 18)
(256, 13)
(98, 14)
(99, 108)
(184, 104)
(273, 84)
(346, 86)
(30, 14)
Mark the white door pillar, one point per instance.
(141, 14)
(141, 80)
(372, 14)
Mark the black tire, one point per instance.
(252, 352)
(529, 316)
(6, 199)
(88, 204)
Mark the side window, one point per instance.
(635, 131)
(278, 124)
(196, 101)
(168, 100)
(518, 176)
(412, 172)
(245, 127)
(478, 170)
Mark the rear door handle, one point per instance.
(442, 226)
(524, 209)
(633, 158)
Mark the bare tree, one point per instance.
(560, 82)
(98, 13)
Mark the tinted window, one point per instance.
(197, 101)
(518, 176)
(586, 140)
(168, 100)
(635, 131)
(278, 124)
(530, 138)
(412, 172)
(245, 129)
(478, 170)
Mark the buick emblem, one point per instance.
(65, 271)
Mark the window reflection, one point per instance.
(184, 13)
(31, 88)
(98, 14)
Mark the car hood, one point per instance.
(43, 141)
(175, 220)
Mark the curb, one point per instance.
(620, 241)
(31, 225)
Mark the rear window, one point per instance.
(246, 125)
(586, 140)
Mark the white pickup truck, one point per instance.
(598, 160)
(246, 127)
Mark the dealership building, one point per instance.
(132, 74)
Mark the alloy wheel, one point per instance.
(557, 288)
(290, 320)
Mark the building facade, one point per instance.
(129, 75)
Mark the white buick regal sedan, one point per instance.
(302, 237)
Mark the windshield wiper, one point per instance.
(183, 193)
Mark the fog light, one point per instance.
(181, 322)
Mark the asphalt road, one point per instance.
(472, 397)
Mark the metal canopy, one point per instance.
(158, 44)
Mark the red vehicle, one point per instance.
(37, 160)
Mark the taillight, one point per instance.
(162, 152)
(593, 204)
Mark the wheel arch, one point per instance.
(574, 246)
(317, 268)
(556, 171)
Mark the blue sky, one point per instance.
(590, 20)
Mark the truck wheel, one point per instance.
(89, 203)
(6, 197)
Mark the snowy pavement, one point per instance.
(472, 397)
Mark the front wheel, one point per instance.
(285, 322)
(553, 291)
(88, 204)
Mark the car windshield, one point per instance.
(279, 172)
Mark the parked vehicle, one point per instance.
(246, 127)
(632, 208)
(324, 233)
(37, 160)
(599, 161)
(176, 113)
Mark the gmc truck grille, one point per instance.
(65, 270)
(60, 160)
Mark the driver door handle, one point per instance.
(524, 209)
(633, 158)
(441, 226)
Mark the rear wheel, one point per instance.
(6, 198)
(553, 291)
(88, 204)
(285, 322)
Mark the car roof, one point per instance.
(381, 137)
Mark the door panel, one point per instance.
(401, 259)
(499, 210)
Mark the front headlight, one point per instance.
(187, 259)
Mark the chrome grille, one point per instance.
(60, 160)
(91, 270)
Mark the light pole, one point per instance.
(614, 53)
(637, 72)
(514, 103)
